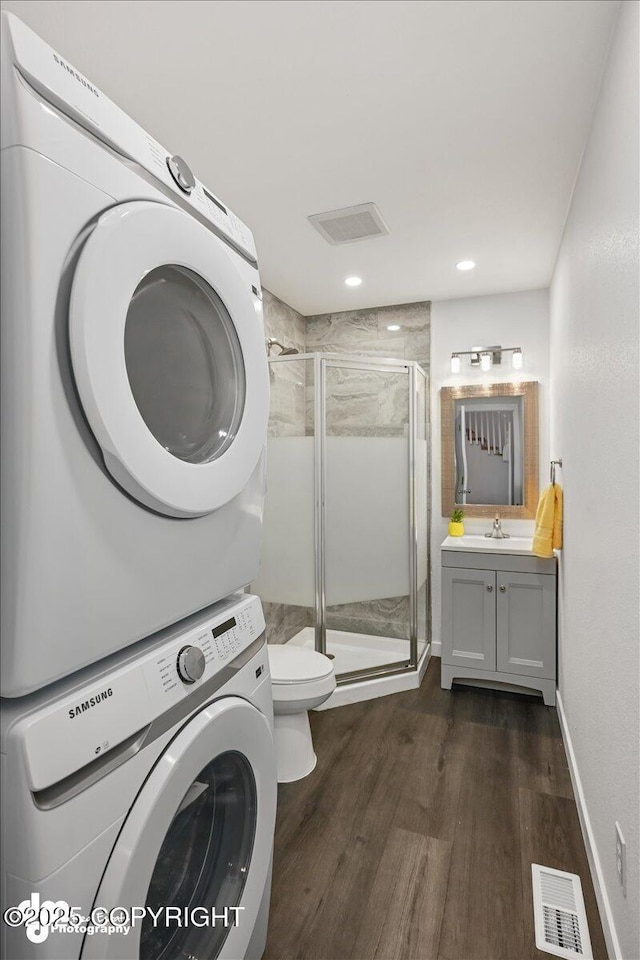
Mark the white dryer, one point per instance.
(149, 782)
(134, 379)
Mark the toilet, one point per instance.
(301, 679)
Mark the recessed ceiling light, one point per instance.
(393, 327)
(353, 281)
(466, 265)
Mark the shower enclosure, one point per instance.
(345, 543)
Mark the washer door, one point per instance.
(169, 359)
(199, 835)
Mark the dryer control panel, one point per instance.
(73, 94)
(93, 718)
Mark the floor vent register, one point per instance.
(560, 915)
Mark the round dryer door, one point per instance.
(199, 840)
(169, 358)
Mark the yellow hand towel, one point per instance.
(557, 517)
(548, 535)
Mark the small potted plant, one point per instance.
(456, 524)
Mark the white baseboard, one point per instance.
(606, 917)
(436, 648)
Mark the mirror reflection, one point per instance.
(488, 451)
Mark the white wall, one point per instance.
(594, 416)
(511, 320)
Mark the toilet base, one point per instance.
(295, 756)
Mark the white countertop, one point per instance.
(477, 543)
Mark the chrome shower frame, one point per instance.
(321, 363)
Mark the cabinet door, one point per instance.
(469, 618)
(526, 624)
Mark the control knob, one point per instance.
(181, 173)
(191, 664)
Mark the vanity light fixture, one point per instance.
(486, 357)
(393, 327)
(353, 281)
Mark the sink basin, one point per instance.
(470, 543)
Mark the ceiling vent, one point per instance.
(560, 915)
(350, 224)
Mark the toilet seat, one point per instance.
(299, 675)
(293, 665)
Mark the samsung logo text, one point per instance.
(91, 702)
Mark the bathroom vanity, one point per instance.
(498, 614)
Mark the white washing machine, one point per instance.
(134, 378)
(148, 782)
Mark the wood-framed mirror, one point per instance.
(490, 449)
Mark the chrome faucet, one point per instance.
(497, 533)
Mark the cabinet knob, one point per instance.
(503, 589)
(490, 588)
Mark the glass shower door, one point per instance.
(287, 578)
(367, 441)
(421, 507)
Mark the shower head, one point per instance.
(284, 351)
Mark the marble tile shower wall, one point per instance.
(287, 380)
(284, 621)
(283, 322)
(388, 617)
(366, 332)
(364, 403)
(286, 419)
(359, 403)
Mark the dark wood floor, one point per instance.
(414, 836)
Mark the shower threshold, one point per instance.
(357, 651)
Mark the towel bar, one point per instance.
(552, 473)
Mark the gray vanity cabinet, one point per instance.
(526, 624)
(469, 617)
(499, 620)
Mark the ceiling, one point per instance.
(463, 120)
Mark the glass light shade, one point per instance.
(455, 363)
(485, 361)
(517, 359)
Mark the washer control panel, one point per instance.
(199, 654)
(191, 664)
(93, 717)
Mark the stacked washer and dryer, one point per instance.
(138, 763)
